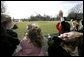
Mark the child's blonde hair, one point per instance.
(35, 35)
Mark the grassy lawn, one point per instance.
(47, 27)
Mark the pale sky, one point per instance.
(24, 9)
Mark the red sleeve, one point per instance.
(58, 26)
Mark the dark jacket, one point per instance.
(8, 43)
(65, 27)
(55, 49)
(12, 33)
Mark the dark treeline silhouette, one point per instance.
(40, 18)
(43, 18)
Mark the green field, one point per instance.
(47, 27)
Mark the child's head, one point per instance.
(32, 26)
(35, 35)
(6, 21)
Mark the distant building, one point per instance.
(17, 20)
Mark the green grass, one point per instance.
(47, 27)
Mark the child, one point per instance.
(32, 43)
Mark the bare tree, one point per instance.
(77, 9)
(3, 7)
(76, 12)
(4, 16)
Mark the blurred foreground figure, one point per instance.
(67, 43)
(77, 25)
(62, 26)
(76, 38)
(31, 45)
(9, 39)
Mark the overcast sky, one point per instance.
(24, 9)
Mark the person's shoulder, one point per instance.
(12, 33)
(25, 40)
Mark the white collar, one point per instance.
(62, 19)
